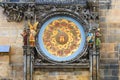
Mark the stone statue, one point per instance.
(98, 34)
(98, 41)
(33, 31)
(90, 39)
(24, 35)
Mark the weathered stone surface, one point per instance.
(109, 56)
(10, 35)
(107, 47)
(62, 74)
(109, 66)
(109, 72)
(109, 61)
(110, 78)
(4, 71)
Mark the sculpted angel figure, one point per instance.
(33, 32)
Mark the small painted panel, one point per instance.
(4, 48)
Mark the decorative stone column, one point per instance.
(27, 57)
(25, 62)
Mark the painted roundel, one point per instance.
(61, 38)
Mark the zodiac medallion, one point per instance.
(61, 38)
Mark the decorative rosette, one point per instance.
(61, 37)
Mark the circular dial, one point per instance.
(61, 38)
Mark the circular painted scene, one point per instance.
(61, 38)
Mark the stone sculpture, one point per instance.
(24, 35)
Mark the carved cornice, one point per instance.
(15, 10)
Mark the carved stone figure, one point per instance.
(24, 35)
(33, 31)
(98, 34)
(90, 39)
(98, 41)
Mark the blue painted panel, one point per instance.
(83, 2)
(14, 0)
(5, 48)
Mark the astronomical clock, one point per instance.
(61, 40)
(65, 34)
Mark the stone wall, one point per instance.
(109, 56)
(62, 74)
(11, 67)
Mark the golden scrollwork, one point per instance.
(33, 31)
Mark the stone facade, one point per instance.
(109, 56)
(58, 74)
(11, 67)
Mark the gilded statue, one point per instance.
(33, 32)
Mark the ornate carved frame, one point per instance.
(81, 61)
